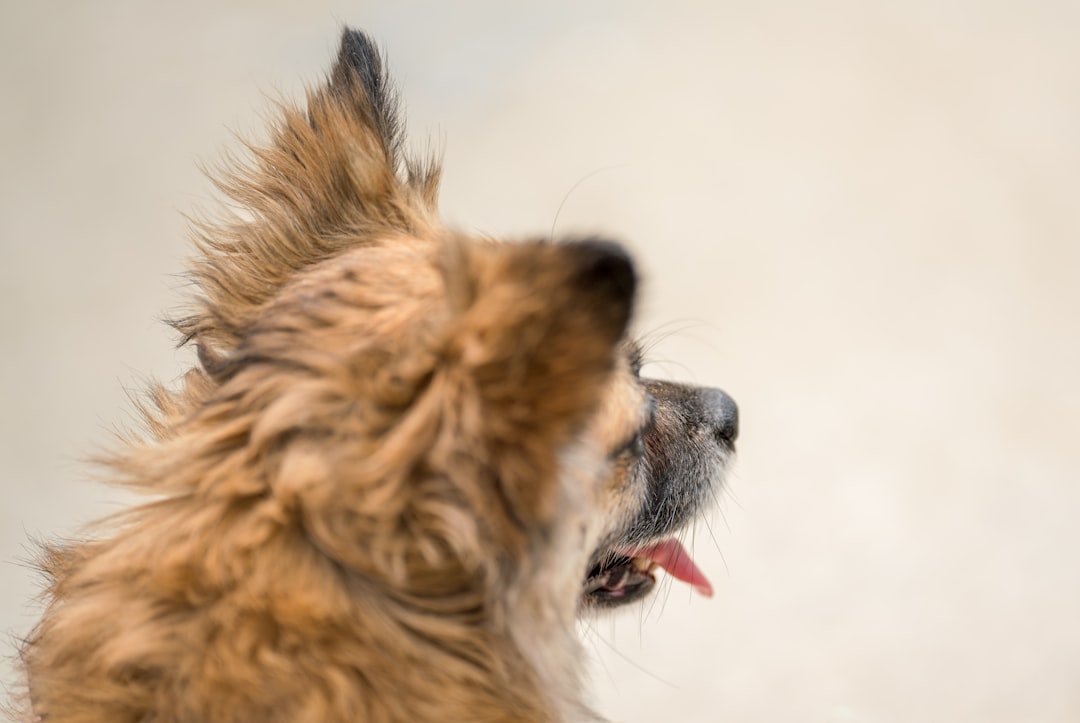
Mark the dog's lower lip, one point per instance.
(625, 574)
(622, 579)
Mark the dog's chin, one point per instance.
(625, 574)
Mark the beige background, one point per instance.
(861, 219)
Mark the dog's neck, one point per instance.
(246, 647)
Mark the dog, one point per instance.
(406, 461)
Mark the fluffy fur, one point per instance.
(403, 449)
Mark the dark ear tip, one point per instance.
(357, 57)
(605, 267)
(605, 274)
(356, 47)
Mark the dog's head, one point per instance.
(443, 414)
(403, 449)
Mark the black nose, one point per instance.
(722, 412)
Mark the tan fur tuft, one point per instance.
(369, 500)
(406, 460)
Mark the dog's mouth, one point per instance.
(628, 574)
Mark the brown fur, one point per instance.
(375, 497)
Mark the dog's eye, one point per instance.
(635, 445)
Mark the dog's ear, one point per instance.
(538, 330)
(358, 81)
(359, 85)
(333, 176)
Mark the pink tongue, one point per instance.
(674, 558)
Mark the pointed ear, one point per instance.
(542, 322)
(538, 343)
(357, 112)
(358, 82)
(333, 176)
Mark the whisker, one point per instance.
(586, 177)
(663, 362)
(593, 635)
(718, 508)
(637, 665)
(723, 559)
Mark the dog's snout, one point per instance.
(722, 413)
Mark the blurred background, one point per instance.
(861, 219)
